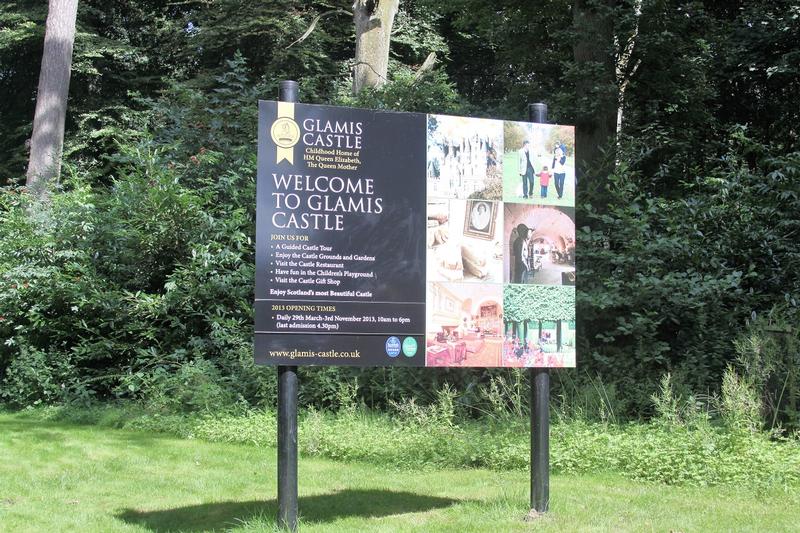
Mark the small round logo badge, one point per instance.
(392, 346)
(409, 346)
(285, 132)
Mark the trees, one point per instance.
(691, 232)
(538, 302)
(505, 54)
(121, 49)
(51, 99)
(595, 83)
(373, 20)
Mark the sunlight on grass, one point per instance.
(59, 477)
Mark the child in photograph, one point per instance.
(544, 180)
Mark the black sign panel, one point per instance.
(406, 239)
(341, 235)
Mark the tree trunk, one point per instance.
(626, 71)
(373, 20)
(51, 99)
(596, 87)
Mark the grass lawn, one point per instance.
(62, 477)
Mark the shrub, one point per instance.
(739, 405)
(768, 356)
(33, 378)
(422, 437)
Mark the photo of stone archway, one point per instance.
(464, 324)
(539, 244)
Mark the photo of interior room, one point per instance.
(539, 244)
(463, 241)
(464, 324)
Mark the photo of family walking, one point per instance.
(464, 157)
(539, 244)
(539, 163)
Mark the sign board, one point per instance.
(406, 239)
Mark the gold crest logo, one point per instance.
(285, 132)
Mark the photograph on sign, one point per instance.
(539, 163)
(541, 326)
(464, 324)
(463, 159)
(464, 241)
(398, 239)
(541, 240)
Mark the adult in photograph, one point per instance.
(435, 160)
(526, 171)
(491, 159)
(519, 251)
(480, 216)
(559, 168)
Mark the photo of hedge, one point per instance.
(538, 302)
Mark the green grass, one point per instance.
(57, 476)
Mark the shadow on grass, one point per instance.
(220, 516)
(49, 432)
(36, 432)
(33, 432)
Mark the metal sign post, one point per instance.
(540, 402)
(287, 408)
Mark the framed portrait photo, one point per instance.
(480, 218)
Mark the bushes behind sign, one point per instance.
(135, 284)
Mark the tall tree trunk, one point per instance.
(596, 87)
(51, 99)
(373, 20)
(626, 70)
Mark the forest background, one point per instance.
(134, 279)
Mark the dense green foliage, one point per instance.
(669, 451)
(135, 280)
(675, 280)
